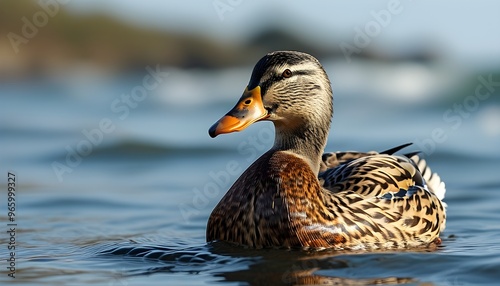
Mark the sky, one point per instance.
(466, 30)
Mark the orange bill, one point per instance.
(248, 110)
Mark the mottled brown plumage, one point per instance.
(293, 196)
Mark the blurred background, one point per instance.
(105, 107)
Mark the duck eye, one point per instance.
(287, 73)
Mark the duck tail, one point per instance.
(432, 179)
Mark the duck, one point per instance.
(297, 196)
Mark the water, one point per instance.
(134, 210)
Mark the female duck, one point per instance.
(292, 196)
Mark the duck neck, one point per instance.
(308, 141)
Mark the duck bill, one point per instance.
(248, 110)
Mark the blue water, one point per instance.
(134, 210)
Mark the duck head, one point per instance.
(292, 90)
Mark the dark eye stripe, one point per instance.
(303, 72)
(279, 77)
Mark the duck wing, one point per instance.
(374, 174)
(333, 159)
(382, 200)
